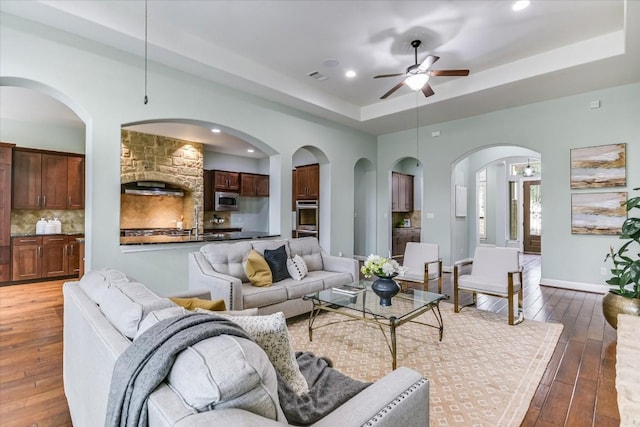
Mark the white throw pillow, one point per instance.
(297, 267)
(270, 332)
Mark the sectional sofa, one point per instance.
(104, 312)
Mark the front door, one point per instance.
(532, 217)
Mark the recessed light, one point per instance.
(520, 4)
(350, 73)
(250, 150)
(216, 130)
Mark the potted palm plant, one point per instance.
(624, 295)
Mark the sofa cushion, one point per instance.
(95, 282)
(228, 258)
(226, 372)
(297, 289)
(261, 245)
(126, 304)
(158, 315)
(297, 267)
(253, 296)
(258, 270)
(277, 260)
(309, 249)
(193, 303)
(270, 332)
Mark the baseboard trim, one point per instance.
(576, 286)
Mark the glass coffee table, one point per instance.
(364, 305)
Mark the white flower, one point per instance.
(375, 264)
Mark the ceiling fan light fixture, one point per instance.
(417, 81)
(520, 5)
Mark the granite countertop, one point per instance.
(76, 233)
(205, 237)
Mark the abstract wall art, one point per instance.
(598, 213)
(601, 166)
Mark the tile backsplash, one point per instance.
(24, 221)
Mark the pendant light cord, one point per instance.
(417, 132)
(146, 98)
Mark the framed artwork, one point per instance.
(601, 166)
(461, 201)
(598, 213)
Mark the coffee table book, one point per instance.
(348, 289)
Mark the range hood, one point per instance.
(151, 188)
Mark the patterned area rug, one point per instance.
(483, 373)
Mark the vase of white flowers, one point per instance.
(385, 269)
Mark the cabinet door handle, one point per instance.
(44, 201)
(69, 204)
(38, 200)
(70, 250)
(39, 251)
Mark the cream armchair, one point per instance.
(495, 271)
(422, 263)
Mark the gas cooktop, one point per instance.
(133, 232)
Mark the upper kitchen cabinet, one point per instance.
(207, 189)
(254, 185)
(401, 192)
(226, 181)
(45, 180)
(75, 182)
(307, 182)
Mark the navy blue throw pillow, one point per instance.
(277, 260)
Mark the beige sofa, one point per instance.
(220, 268)
(104, 311)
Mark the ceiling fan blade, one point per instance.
(428, 62)
(388, 75)
(393, 89)
(427, 90)
(437, 73)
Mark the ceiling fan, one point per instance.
(417, 75)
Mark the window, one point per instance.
(513, 210)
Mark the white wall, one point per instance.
(104, 87)
(44, 136)
(550, 128)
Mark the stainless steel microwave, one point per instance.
(226, 201)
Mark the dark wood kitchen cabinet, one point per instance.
(400, 237)
(26, 258)
(254, 185)
(307, 182)
(207, 190)
(75, 182)
(5, 211)
(226, 181)
(401, 192)
(47, 256)
(46, 180)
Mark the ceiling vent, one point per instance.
(316, 75)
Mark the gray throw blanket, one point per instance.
(328, 389)
(148, 360)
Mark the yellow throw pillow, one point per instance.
(258, 270)
(193, 303)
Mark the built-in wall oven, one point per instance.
(307, 219)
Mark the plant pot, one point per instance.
(385, 288)
(614, 304)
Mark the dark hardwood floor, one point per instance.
(577, 389)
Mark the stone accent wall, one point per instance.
(146, 157)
